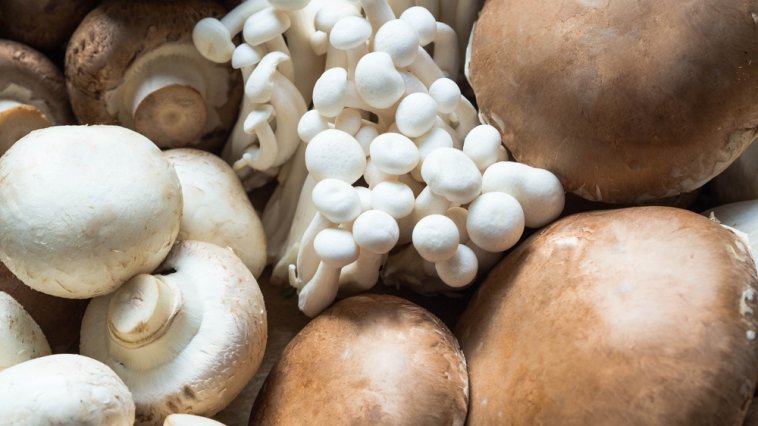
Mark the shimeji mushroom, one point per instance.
(64, 390)
(43, 24)
(133, 63)
(102, 207)
(32, 93)
(216, 208)
(21, 339)
(185, 339)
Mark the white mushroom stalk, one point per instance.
(435, 179)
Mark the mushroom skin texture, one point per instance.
(64, 389)
(59, 318)
(32, 92)
(198, 358)
(44, 24)
(21, 339)
(189, 420)
(742, 216)
(133, 63)
(216, 207)
(368, 359)
(102, 207)
(621, 108)
(645, 317)
(738, 182)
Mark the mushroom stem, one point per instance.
(235, 19)
(142, 309)
(362, 274)
(377, 12)
(17, 119)
(307, 260)
(320, 291)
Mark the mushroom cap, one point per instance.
(378, 83)
(335, 154)
(337, 200)
(21, 339)
(350, 32)
(64, 389)
(620, 107)
(451, 174)
(460, 269)
(422, 20)
(395, 198)
(618, 317)
(59, 318)
(213, 41)
(435, 237)
(742, 216)
(43, 24)
(210, 367)
(330, 92)
(495, 221)
(416, 114)
(29, 69)
(483, 145)
(371, 358)
(117, 34)
(102, 207)
(376, 231)
(399, 39)
(335, 247)
(393, 153)
(189, 420)
(216, 208)
(447, 94)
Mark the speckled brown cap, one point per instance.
(623, 101)
(371, 359)
(44, 24)
(640, 316)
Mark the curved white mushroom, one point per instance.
(21, 339)
(203, 309)
(213, 37)
(376, 233)
(266, 28)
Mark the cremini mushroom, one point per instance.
(32, 92)
(133, 63)
(629, 305)
(738, 182)
(43, 24)
(376, 359)
(742, 216)
(216, 208)
(64, 389)
(202, 308)
(103, 207)
(21, 339)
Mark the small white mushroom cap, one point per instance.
(460, 269)
(216, 207)
(422, 20)
(189, 420)
(64, 390)
(311, 124)
(330, 92)
(416, 114)
(337, 200)
(376, 231)
(446, 93)
(373, 176)
(103, 206)
(484, 145)
(539, 192)
(208, 345)
(335, 154)
(495, 221)
(265, 25)
(21, 339)
(349, 121)
(327, 17)
(394, 154)
(350, 32)
(212, 39)
(335, 247)
(378, 82)
(400, 40)
(451, 174)
(246, 56)
(394, 198)
(365, 136)
(459, 216)
(435, 237)
(432, 140)
(365, 195)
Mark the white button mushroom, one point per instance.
(393, 153)
(336, 154)
(495, 221)
(64, 390)
(338, 201)
(436, 238)
(204, 310)
(395, 198)
(422, 21)
(447, 94)
(379, 84)
(21, 339)
(102, 207)
(451, 174)
(416, 114)
(460, 269)
(484, 145)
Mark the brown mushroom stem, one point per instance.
(142, 310)
(18, 119)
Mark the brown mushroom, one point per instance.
(370, 359)
(133, 63)
(636, 316)
(623, 102)
(44, 24)
(32, 93)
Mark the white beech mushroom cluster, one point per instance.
(387, 113)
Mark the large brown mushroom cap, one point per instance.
(115, 35)
(624, 102)
(638, 316)
(45, 24)
(370, 359)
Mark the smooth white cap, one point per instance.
(365, 136)
(398, 39)
(432, 140)
(212, 40)
(451, 174)
(349, 121)
(376, 231)
(394, 154)
(378, 82)
(495, 221)
(416, 114)
(335, 154)
(435, 238)
(246, 56)
(350, 32)
(327, 17)
(483, 144)
(446, 93)
(330, 92)
(395, 198)
(365, 196)
(459, 216)
(422, 20)
(460, 269)
(373, 176)
(338, 201)
(265, 25)
(311, 124)
(335, 247)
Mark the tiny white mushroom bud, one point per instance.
(422, 21)
(398, 39)
(394, 153)
(450, 173)
(460, 269)
(459, 216)
(264, 26)
(436, 238)
(373, 176)
(330, 92)
(446, 93)
(338, 201)
(311, 124)
(484, 145)
(394, 198)
(376, 231)
(336, 154)
(349, 121)
(335, 247)
(365, 136)
(416, 114)
(378, 83)
(246, 56)
(351, 34)
(495, 221)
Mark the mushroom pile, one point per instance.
(438, 185)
